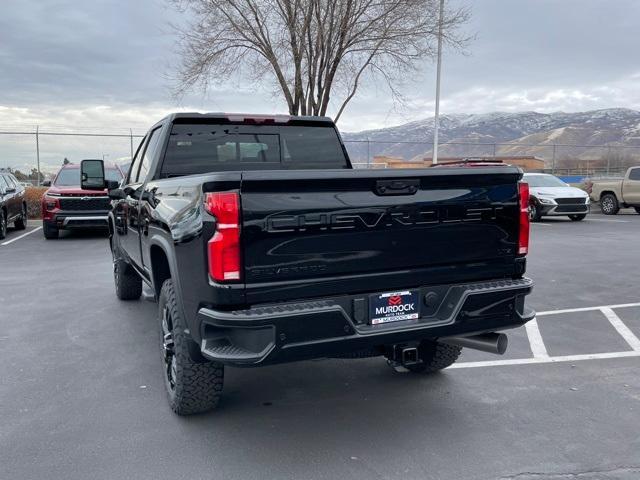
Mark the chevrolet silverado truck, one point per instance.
(65, 206)
(262, 245)
(614, 193)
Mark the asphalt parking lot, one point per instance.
(82, 396)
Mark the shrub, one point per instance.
(33, 196)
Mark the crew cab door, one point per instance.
(127, 210)
(4, 195)
(11, 197)
(123, 230)
(138, 223)
(631, 187)
(18, 196)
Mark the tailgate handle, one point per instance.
(397, 187)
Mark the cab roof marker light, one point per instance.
(240, 117)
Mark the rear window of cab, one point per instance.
(202, 148)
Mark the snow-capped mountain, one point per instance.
(617, 126)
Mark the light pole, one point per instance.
(38, 152)
(437, 116)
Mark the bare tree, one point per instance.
(311, 49)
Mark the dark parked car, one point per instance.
(66, 206)
(13, 206)
(263, 246)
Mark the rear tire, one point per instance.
(3, 224)
(50, 232)
(21, 223)
(191, 387)
(435, 356)
(609, 204)
(128, 282)
(578, 218)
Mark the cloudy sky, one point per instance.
(102, 65)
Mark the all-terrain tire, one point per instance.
(578, 218)
(609, 204)
(435, 356)
(3, 224)
(192, 387)
(128, 282)
(21, 222)
(50, 232)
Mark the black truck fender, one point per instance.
(164, 266)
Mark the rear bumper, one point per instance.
(339, 325)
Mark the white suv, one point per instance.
(551, 196)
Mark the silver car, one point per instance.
(551, 196)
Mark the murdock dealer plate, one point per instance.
(394, 307)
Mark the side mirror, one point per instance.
(46, 183)
(92, 175)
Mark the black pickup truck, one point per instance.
(262, 245)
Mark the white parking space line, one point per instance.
(535, 340)
(21, 236)
(587, 309)
(623, 330)
(541, 224)
(529, 361)
(607, 220)
(541, 355)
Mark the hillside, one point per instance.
(519, 131)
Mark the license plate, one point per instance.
(394, 307)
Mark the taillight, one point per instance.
(523, 236)
(224, 246)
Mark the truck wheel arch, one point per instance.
(607, 192)
(163, 266)
(160, 268)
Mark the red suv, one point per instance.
(66, 206)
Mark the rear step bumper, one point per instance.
(339, 325)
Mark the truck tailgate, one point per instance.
(347, 231)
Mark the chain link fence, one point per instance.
(559, 159)
(37, 153)
(29, 150)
